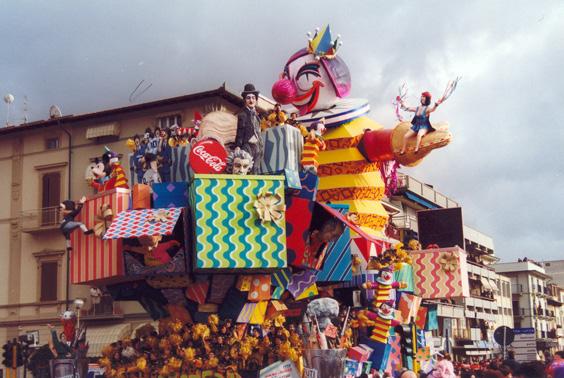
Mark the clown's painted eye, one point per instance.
(308, 69)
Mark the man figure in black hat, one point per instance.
(248, 127)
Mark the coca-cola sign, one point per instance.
(208, 156)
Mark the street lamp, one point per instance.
(78, 303)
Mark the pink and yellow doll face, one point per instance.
(312, 84)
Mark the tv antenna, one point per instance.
(137, 92)
(8, 99)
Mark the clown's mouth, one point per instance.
(312, 94)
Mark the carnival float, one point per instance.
(261, 251)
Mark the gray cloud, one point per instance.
(505, 164)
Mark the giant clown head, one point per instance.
(314, 78)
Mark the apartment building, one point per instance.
(535, 301)
(468, 322)
(44, 163)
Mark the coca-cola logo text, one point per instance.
(208, 156)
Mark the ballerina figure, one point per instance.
(420, 122)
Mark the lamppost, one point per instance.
(78, 304)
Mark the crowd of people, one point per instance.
(492, 368)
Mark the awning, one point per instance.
(99, 337)
(145, 222)
(494, 286)
(110, 129)
(486, 283)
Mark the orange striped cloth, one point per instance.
(311, 151)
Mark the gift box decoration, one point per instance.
(394, 362)
(440, 273)
(94, 258)
(405, 274)
(337, 266)
(144, 222)
(281, 278)
(359, 353)
(309, 182)
(246, 312)
(179, 164)
(260, 288)
(301, 281)
(408, 307)
(244, 283)
(352, 368)
(259, 313)
(277, 292)
(275, 308)
(141, 196)
(220, 285)
(292, 181)
(239, 222)
(299, 212)
(170, 194)
(421, 318)
(283, 147)
(310, 292)
(198, 291)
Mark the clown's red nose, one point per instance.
(284, 91)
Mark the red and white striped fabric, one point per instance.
(92, 258)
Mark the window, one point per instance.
(49, 278)
(167, 121)
(52, 143)
(50, 197)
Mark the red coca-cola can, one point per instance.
(208, 156)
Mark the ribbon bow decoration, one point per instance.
(104, 217)
(449, 262)
(160, 216)
(269, 207)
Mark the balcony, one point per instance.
(409, 184)
(40, 220)
(106, 309)
(404, 222)
(517, 289)
(522, 312)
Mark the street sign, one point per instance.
(504, 336)
(524, 345)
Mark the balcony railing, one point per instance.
(43, 219)
(406, 182)
(404, 221)
(107, 308)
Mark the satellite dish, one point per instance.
(55, 112)
(9, 98)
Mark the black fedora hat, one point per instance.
(249, 89)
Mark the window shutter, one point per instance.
(49, 279)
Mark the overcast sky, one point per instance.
(505, 164)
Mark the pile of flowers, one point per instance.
(222, 346)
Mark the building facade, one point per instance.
(535, 302)
(468, 322)
(43, 164)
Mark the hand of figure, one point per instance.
(82, 199)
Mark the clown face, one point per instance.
(386, 277)
(312, 84)
(385, 310)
